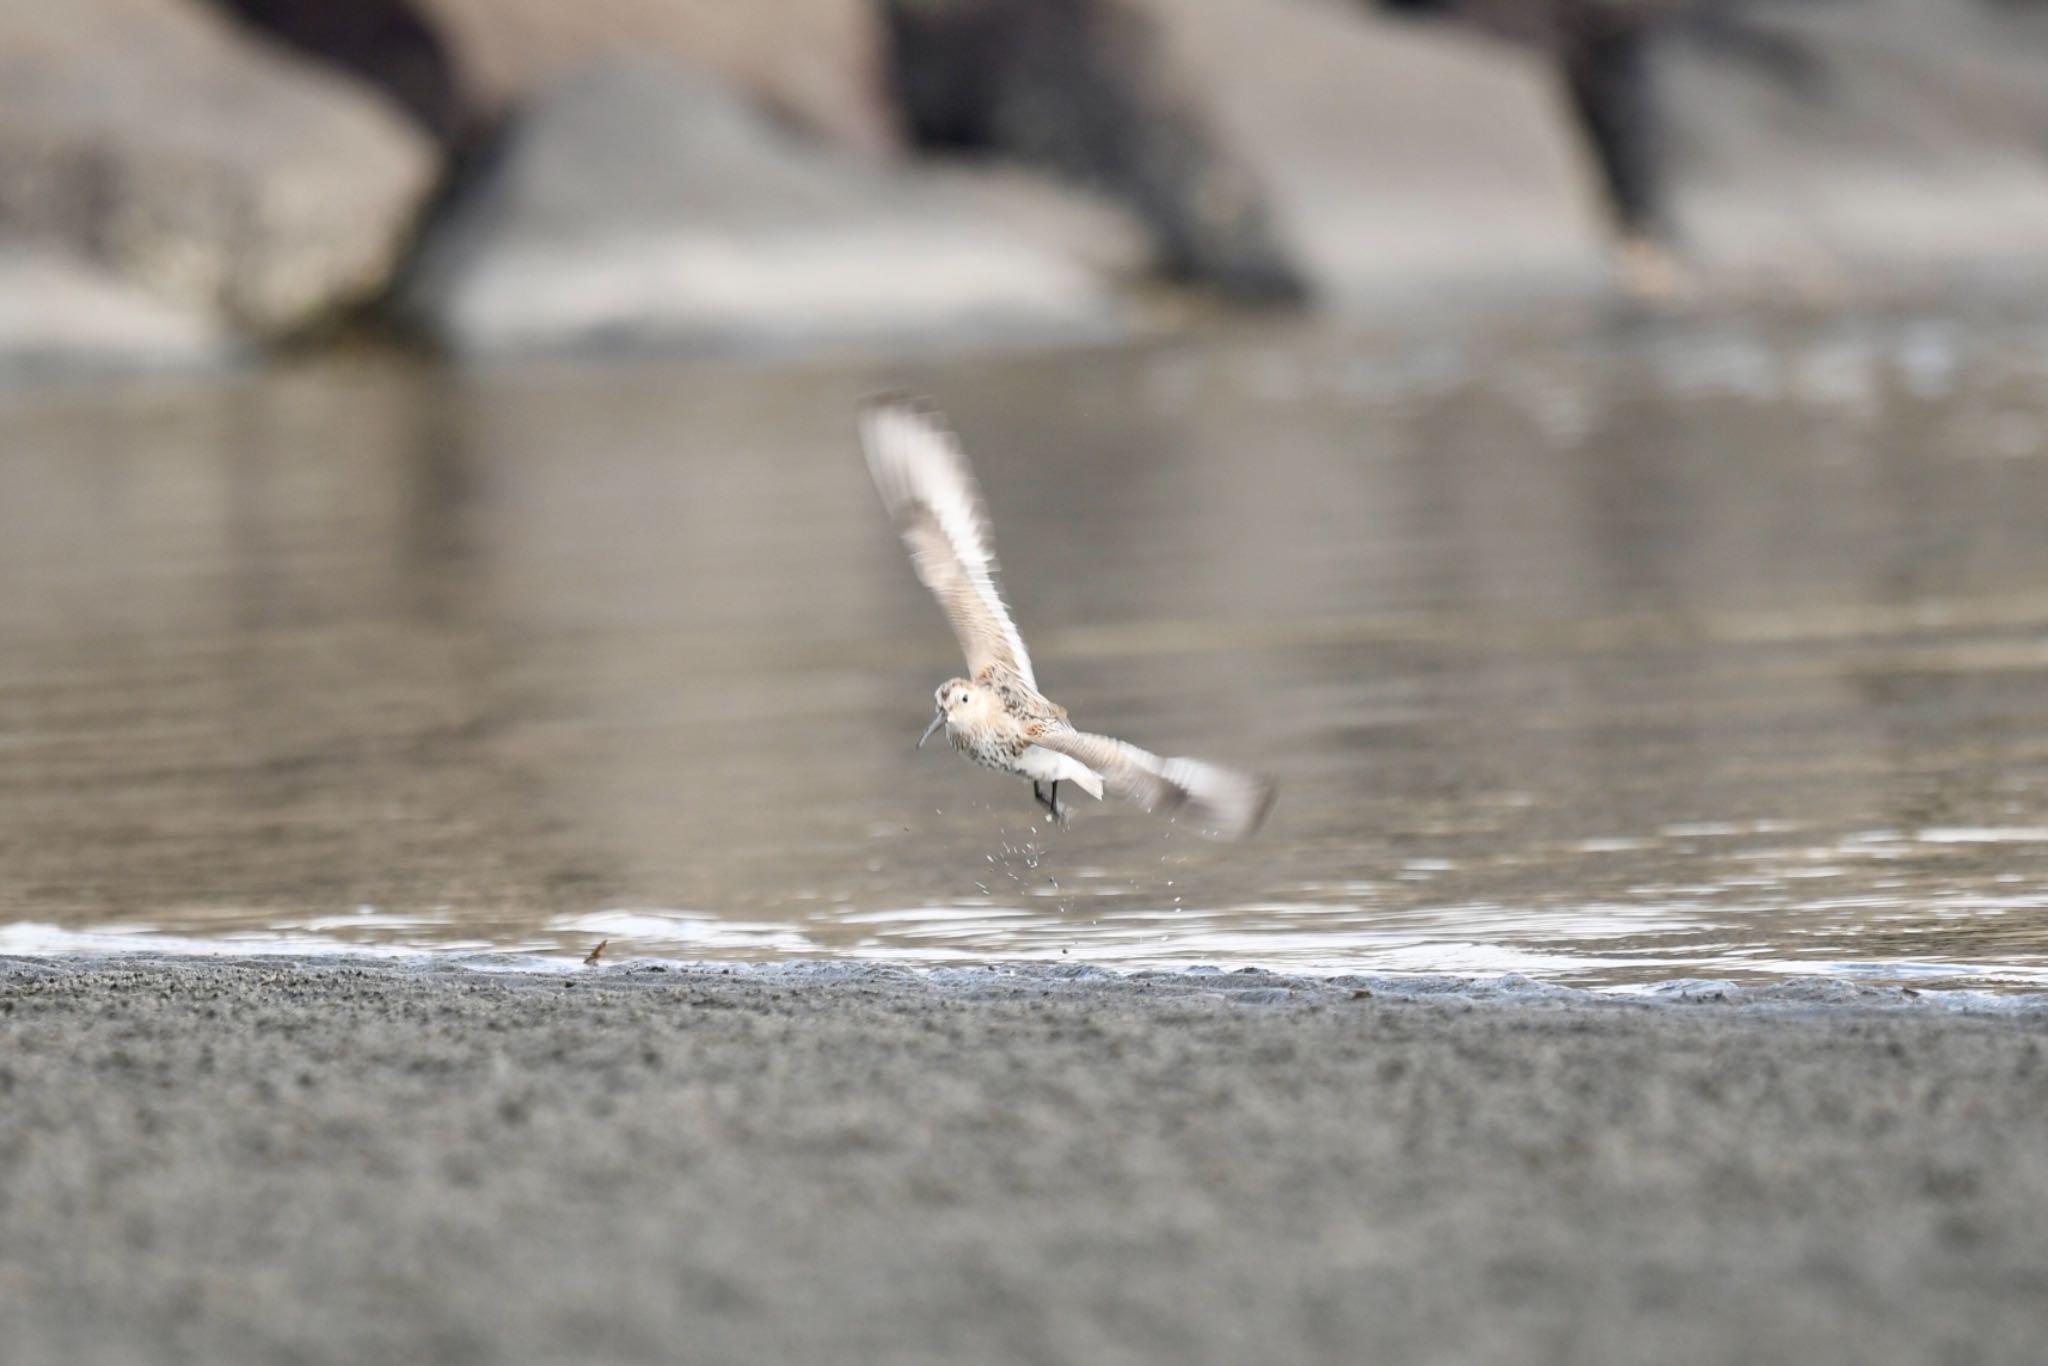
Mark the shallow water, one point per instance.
(1606, 655)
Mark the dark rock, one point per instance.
(386, 43)
(1086, 89)
(460, 66)
(639, 204)
(1401, 163)
(1601, 49)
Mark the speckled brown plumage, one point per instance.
(997, 717)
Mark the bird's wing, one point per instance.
(930, 492)
(1220, 799)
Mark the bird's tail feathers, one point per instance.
(1224, 801)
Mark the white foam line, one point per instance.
(31, 939)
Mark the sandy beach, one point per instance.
(354, 1161)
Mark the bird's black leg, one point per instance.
(1049, 800)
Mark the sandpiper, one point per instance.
(996, 716)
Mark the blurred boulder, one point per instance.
(1401, 163)
(387, 44)
(1855, 144)
(153, 139)
(819, 63)
(1600, 49)
(60, 315)
(639, 203)
(1088, 90)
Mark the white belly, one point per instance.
(1045, 766)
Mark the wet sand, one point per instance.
(349, 1161)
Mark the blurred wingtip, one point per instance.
(886, 398)
(1229, 803)
(1268, 793)
(896, 424)
(1239, 820)
(897, 403)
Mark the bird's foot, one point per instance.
(1050, 800)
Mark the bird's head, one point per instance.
(959, 702)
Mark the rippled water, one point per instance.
(1605, 655)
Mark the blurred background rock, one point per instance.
(188, 183)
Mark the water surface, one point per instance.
(1605, 655)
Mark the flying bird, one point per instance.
(996, 716)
